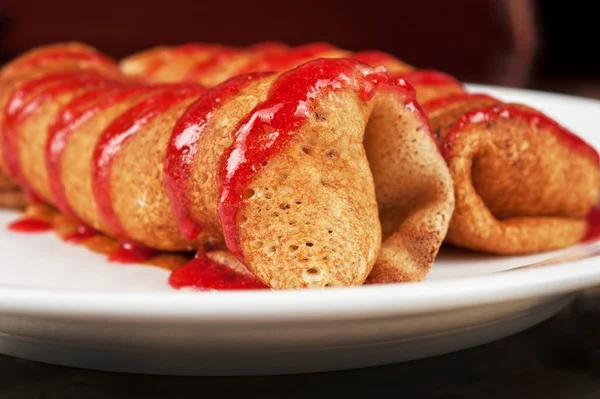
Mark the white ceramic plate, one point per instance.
(63, 304)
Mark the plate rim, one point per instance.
(370, 301)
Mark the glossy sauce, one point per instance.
(442, 102)
(25, 101)
(117, 134)
(218, 57)
(267, 129)
(183, 147)
(375, 58)
(30, 225)
(82, 233)
(372, 57)
(73, 115)
(425, 77)
(203, 273)
(495, 112)
(283, 61)
(117, 252)
(130, 252)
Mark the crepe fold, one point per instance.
(523, 183)
(62, 58)
(319, 176)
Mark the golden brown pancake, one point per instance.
(318, 176)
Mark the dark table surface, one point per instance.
(559, 358)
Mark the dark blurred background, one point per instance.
(550, 45)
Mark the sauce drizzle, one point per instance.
(23, 102)
(532, 117)
(69, 119)
(116, 135)
(200, 273)
(425, 77)
(183, 147)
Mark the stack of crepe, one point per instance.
(322, 175)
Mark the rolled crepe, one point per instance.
(523, 183)
(552, 223)
(312, 178)
(313, 188)
(62, 58)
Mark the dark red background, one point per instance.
(509, 42)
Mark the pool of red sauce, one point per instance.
(30, 225)
(424, 77)
(117, 134)
(203, 273)
(197, 273)
(495, 112)
(183, 147)
(285, 109)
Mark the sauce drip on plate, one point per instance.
(30, 225)
(203, 273)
